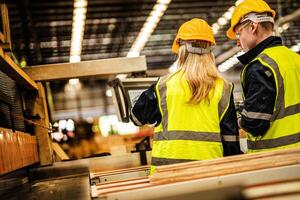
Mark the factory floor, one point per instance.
(61, 180)
(66, 180)
(64, 188)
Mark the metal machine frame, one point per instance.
(126, 91)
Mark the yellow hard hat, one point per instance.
(195, 29)
(244, 8)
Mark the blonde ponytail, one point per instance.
(200, 72)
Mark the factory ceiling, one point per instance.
(41, 30)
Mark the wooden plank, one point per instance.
(272, 190)
(2, 153)
(2, 38)
(120, 171)
(7, 159)
(11, 69)
(220, 170)
(59, 151)
(123, 183)
(6, 30)
(230, 159)
(36, 106)
(93, 68)
(225, 166)
(132, 186)
(43, 139)
(16, 150)
(158, 72)
(246, 180)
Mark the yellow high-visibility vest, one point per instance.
(188, 132)
(284, 131)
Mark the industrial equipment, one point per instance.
(125, 93)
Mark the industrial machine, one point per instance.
(125, 93)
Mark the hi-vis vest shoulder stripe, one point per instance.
(284, 131)
(188, 132)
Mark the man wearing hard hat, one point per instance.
(270, 79)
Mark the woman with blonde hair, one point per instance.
(192, 109)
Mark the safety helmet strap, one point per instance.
(192, 49)
(257, 18)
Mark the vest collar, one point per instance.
(271, 41)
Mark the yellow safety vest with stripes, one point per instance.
(284, 131)
(188, 132)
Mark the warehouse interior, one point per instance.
(69, 73)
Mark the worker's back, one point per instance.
(187, 131)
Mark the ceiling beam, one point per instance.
(105, 67)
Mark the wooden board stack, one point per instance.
(225, 166)
(17, 150)
(198, 170)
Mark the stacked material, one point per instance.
(119, 180)
(119, 186)
(17, 150)
(225, 166)
(255, 174)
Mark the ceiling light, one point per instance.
(173, 68)
(286, 26)
(215, 28)
(222, 21)
(133, 54)
(163, 1)
(108, 93)
(238, 2)
(79, 17)
(227, 15)
(73, 81)
(79, 4)
(121, 76)
(74, 58)
(229, 63)
(153, 19)
(296, 47)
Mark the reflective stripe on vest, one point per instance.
(230, 138)
(273, 143)
(256, 115)
(193, 136)
(197, 136)
(280, 112)
(187, 135)
(224, 102)
(167, 161)
(162, 87)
